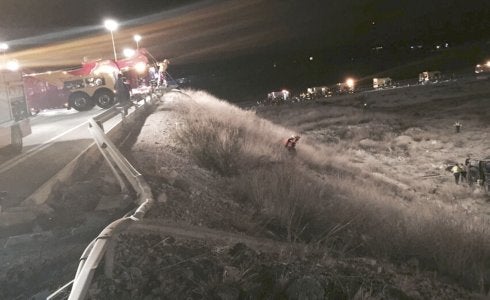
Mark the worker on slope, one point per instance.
(456, 170)
(291, 143)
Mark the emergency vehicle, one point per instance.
(83, 88)
(14, 113)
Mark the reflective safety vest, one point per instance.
(456, 169)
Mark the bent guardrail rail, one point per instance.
(101, 246)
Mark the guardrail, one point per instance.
(103, 245)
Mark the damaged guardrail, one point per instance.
(103, 245)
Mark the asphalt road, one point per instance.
(58, 136)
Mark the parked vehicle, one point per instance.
(14, 114)
(318, 92)
(483, 68)
(379, 83)
(83, 88)
(430, 76)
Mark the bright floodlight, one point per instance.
(111, 25)
(13, 65)
(140, 67)
(128, 52)
(4, 46)
(137, 38)
(350, 82)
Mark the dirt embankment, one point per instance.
(211, 261)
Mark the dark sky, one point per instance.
(44, 33)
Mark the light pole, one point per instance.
(137, 39)
(112, 25)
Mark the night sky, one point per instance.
(258, 45)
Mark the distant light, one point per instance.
(129, 52)
(13, 65)
(111, 25)
(311, 58)
(137, 38)
(350, 82)
(446, 45)
(373, 22)
(438, 47)
(4, 46)
(140, 67)
(488, 63)
(411, 47)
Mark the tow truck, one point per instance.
(14, 114)
(84, 87)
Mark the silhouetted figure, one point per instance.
(122, 90)
(458, 126)
(291, 143)
(456, 170)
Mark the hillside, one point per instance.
(364, 210)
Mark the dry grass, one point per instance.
(318, 196)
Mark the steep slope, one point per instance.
(336, 223)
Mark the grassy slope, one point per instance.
(346, 189)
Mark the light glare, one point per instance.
(128, 52)
(111, 25)
(350, 82)
(13, 65)
(140, 67)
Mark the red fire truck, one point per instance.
(83, 88)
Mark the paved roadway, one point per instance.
(58, 136)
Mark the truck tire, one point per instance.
(104, 98)
(16, 141)
(81, 101)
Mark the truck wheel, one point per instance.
(81, 101)
(104, 98)
(16, 141)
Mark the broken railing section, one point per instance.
(103, 245)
